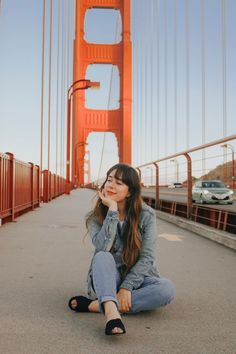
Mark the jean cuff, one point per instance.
(104, 299)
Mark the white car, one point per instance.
(175, 185)
(213, 191)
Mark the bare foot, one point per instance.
(112, 313)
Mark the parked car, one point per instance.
(212, 192)
(175, 185)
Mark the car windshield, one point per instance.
(214, 184)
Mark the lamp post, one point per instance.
(85, 84)
(229, 146)
(177, 168)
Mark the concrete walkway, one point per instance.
(44, 261)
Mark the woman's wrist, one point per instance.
(113, 206)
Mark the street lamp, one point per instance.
(229, 146)
(177, 168)
(85, 84)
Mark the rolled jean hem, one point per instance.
(104, 299)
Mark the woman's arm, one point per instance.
(146, 258)
(103, 236)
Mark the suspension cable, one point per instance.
(49, 86)
(175, 74)
(58, 64)
(166, 83)
(62, 87)
(42, 86)
(151, 77)
(224, 68)
(158, 78)
(187, 71)
(1, 6)
(203, 83)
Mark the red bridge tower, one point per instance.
(91, 120)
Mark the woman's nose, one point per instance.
(111, 184)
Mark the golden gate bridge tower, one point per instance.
(87, 120)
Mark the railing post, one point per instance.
(49, 186)
(45, 186)
(13, 184)
(32, 184)
(38, 185)
(157, 200)
(189, 186)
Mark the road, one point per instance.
(180, 195)
(44, 261)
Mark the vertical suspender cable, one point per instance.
(68, 83)
(158, 79)
(187, 71)
(140, 100)
(139, 64)
(145, 95)
(68, 45)
(224, 67)
(145, 59)
(143, 50)
(151, 79)
(224, 72)
(203, 82)
(175, 77)
(1, 6)
(166, 84)
(62, 86)
(134, 107)
(42, 90)
(58, 64)
(64, 93)
(49, 86)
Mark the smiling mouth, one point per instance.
(111, 193)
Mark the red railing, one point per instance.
(220, 219)
(53, 186)
(21, 189)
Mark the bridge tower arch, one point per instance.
(87, 120)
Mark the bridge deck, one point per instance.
(44, 262)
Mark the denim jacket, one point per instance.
(109, 238)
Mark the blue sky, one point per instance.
(153, 110)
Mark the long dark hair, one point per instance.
(133, 207)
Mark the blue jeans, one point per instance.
(154, 292)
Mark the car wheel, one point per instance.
(201, 201)
(193, 201)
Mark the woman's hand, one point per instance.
(124, 299)
(106, 200)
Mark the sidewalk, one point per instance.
(44, 261)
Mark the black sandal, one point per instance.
(112, 324)
(82, 304)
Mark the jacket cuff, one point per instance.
(126, 285)
(112, 214)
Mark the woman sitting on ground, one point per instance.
(123, 276)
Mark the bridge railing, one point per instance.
(21, 187)
(222, 219)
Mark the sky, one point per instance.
(167, 79)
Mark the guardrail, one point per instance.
(21, 188)
(221, 219)
(218, 218)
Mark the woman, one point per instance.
(123, 276)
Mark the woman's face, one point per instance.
(115, 188)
